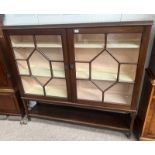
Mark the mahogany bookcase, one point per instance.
(80, 73)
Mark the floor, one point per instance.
(44, 130)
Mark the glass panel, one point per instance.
(124, 40)
(89, 41)
(128, 55)
(22, 41)
(127, 73)
(22, 53)
(31, 86)
(53, 41)
(104, 67)
(53, 53)
(39, 65)
(82, 70)
(86, 90)
(58, 69)
(120, 93)
(57, 88)
(103, 85)
(23, 67)
(42, 79)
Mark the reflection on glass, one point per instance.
(86, 90)
(22, 41)
(127, 73)
(23, 67)
(89, 41)
(31, 86)
(22, 53)
(53, 41)
(86, 54)
(125, 55)
(42, 79)
(58, 69)
(39, 65)
(57, 88)
(82, 70)
(103, 85)
(120, 93)
(55, 54)
(124, 40)
(104, 67)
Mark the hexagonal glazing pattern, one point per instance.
(106, 66)
(39, 65)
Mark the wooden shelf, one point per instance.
(49, 45)
(22, 41)
(41, 41)
(126, 40)
(123, 45)
(110, 45)
(40, 45)
(123, 55)
(102, 119)
(22, 45)
(24, 70)
(88, 45)
(127, 77)
(48, 41)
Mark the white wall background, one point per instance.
(37, 19)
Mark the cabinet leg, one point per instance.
(133, 116)
(24, 120)
(25, 103)
(128, 134)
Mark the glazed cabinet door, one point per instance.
(41, 60)
(105, 62)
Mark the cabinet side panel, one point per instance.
(8, 104)
(144, 101)
(152, 59)
(3, 74)
(140, 67)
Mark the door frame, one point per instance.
(38, 31)
(140, 64)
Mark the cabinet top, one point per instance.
(75, 25)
